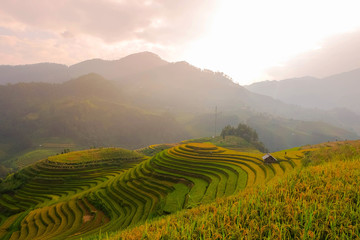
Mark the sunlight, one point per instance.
(255, 35)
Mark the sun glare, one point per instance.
(255, 35)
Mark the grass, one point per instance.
(229, 142)
(175, 200)
(93, 155)
(332, 151)
(33, 156)
(42, 151)
(152, 150)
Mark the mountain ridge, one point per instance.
(114, 69)
(335, 91)
(58, 73)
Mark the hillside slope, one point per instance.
(75, 194)
(41, 72)
(275, 132)
(337, 91)
(183, 89)
(316, 202)
(88, 111)
(43, 201)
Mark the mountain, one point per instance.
(41, 72)
(183, 89)
(148, 100)
(131, 64)
(276, 131)
(57, 73)
(337, 91)
(87, 111)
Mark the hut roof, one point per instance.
(269, 158)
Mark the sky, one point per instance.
(247, 40)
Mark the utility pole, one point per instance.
(215, 120)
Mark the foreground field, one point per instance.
(321, 201)
(78, 194)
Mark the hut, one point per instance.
(268, 158)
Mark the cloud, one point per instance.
(158, 21)
(68, 31)
(67, 34)
(336, 54)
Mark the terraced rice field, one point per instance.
(319, 201)
(78, 194)
(49, 197)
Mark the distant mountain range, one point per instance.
(141, 99)
(57, 73)
(40, 72)
(337, 91)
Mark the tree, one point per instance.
(245, 132)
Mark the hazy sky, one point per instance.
(248, 40)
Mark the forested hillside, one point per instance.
(88, 111)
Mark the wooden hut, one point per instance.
(268, 158)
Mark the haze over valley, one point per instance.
(91, 101)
